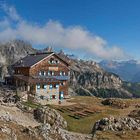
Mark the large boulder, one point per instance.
(135, 114)
(118, 103)
(117, 124)
(51, 116)
(55, 133)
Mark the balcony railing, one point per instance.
(55, 77)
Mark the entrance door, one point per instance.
(61, 95)
(53, 96)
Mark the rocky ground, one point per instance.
(109, 119)
(14, 114)
(117, 124)
(83, 118)
(20, 120)
(49, 125)
(45, 123)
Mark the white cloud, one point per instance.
(11, 12)
(4, 24)
(53, 33)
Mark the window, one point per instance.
(49, 73)
(53, 61)
(61, 94)
(57, 86)
(60, 73)
(52, 73)
(50, 96)
(42, 73)
(38, 86)
(44, 86)
(51, 86)
(57, 62)
(61, 84)
(50, 61)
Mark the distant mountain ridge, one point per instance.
(127, 70)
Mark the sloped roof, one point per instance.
(32, 59)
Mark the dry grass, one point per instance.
(85, 124)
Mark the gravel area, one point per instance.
(18, 116)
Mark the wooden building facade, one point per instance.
(42, 75)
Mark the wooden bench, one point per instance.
(81, 114)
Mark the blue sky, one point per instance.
(115, 22)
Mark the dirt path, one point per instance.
(76, 136)
(16, 115)
(55, 102)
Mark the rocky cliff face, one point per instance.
(12, 51)
(89, 74)
(88, 78)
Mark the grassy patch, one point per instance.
(85, 124)
(31, 104)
